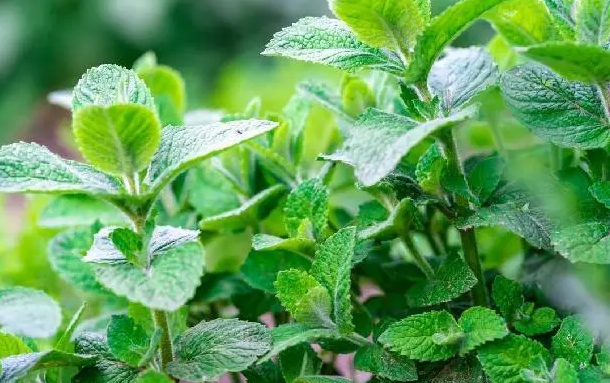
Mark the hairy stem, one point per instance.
(358, 339)
(419, 259)
(167, 353)
(467, 236)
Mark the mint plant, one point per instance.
(187, 230)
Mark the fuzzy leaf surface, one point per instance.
(480, 325)
(380, 362)
(28, 312)
(307, 204)
(127, 340)
(573, 342)
(17, 366)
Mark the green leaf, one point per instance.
(119, 139)
(427, 337)
(299, 360)
(290, 334)
(65, 254)
(569, 114)
(441, 31)
(332, 268)
(32, 168)
(484, 177)
(210, 349)
(107, 371)
(151, 376)
(28, 312)
(541, 321)
(459, 371)
(127, 340)
(452, 279)
(601, 191)
(307, 207)
(182, 147)
(561, 11)
(322, 379)
(480, 325)
(507, 296)
(168, 89)
(305, 298)
(593, 22)
(167, 283)
(265, 242)
(325, 96)
(380, 140)
(250, 212)
(586, 242)
(384, 364)
(330, 42)
(564, 372)
(80, 210)
(108, 85)
(573, 342)
(64, 343)
(429, 169)
(460, 75)
(17, 366)
(261, 267)
(586, 63)
(522, 22)
(512, 359)
(393, 24)
(267, 372)
(210, 192)
(12, 345)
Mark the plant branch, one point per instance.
(358, 339)
(419, 259)
(167, 352)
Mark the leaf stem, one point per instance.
(358, 339)
(167, 353)
(419, 259)
(467, 236)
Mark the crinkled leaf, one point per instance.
(384, 364)
(593, 22)
(541, 321)
(108, 85)
(307, 205)
(513, 358)
(107, 371)
(261, 267)
(459, 371)
(182, 147)
(452, 279)
(328, 41)
(267, 372)
(586, 242)
(17, 366)
(119, 139)
(522, 22)
(79, 210)
(573, 342)
(28, 312)
(507, 296)
(380, 140)
(460, 75)
(601, 191)
(427, 337)
(480, 325)
(441, 31)
(32, 168)
(332, 268)
(586, 63)
(250, 212)
(564, 372)
(210, 349)
(299, 360)
(261, 242)
(569, 114)
(291, 334)
(393, 24)
(127, 340)
(561, 11)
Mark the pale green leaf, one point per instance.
(573, 342)
(332, 268)
(587, 63)
(119, 139)
(441, 31)
(299, 245)
(64, 342)
(12, 345)
(17, 366)
(384, 364)
(452, 279)
(569, 114)
(307, 205)
(325, 96)
(522, 22)
(261, 267)
(32, 168)
(210, 349)
(587, 242)
(564, 372)
(513, 358)
(182, 147)
(328, 41)
(380, 140)
(460, 75)
(291, 334)
(127, 340)
(298, 361)
(593, 22)
(108, 85)
(427, 337)
(250, 212)
(561, 11)
(79, 210)
(210, 192)
(168, 90)
(480, 325)
(28, 312)
(393, 24)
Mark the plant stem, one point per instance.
(604, 95)
(420, 261)
(167, 353)
(358, 339)
(467, 236)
